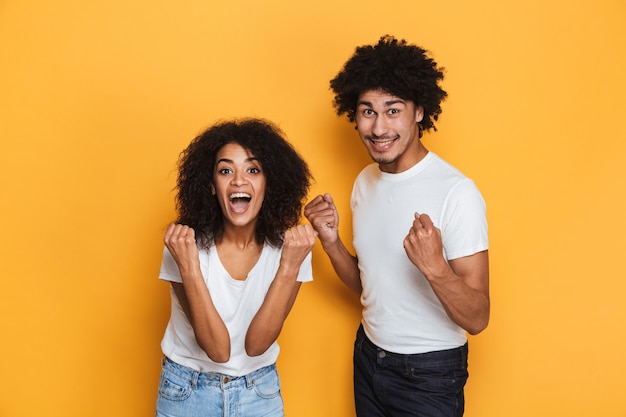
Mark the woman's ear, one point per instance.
(212, 190)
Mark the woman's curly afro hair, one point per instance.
(392, 65)
(287, 180)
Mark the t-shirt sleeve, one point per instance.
(464, 228)
(306, 269)
(169, 268)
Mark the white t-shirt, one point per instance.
(237, 303)
(401, 312)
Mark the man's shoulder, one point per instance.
(445, 168)
(369, 171)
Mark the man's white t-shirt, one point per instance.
(401, 312)
(237, 302)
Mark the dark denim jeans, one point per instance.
(421, 385)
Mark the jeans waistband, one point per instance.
(398, 359)
(215, 378)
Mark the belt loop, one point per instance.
(249, 380)
(407, 365)
(194, 379)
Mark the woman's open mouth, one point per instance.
(240, 202)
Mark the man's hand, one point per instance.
(424, 247)
(322, 214)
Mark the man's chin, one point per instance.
(382, 160)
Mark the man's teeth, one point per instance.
(383, 143)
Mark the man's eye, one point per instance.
(394, 111)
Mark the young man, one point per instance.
(420, 234)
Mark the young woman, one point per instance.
(235, 260)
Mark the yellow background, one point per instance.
(97, 98)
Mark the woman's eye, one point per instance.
(224, 171)
(254, 170)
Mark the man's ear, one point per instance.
(419, 113)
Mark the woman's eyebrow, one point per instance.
(230, 161)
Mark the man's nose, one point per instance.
(380, 126)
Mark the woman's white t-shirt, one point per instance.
(237, 302)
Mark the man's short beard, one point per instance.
(383, 160)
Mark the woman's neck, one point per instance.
(242, 238)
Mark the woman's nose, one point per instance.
(239, 179)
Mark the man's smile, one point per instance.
(382, 142)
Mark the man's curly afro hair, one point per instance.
(398, 68)
(287, 180)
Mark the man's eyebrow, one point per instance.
(387, 103)
(396, 101)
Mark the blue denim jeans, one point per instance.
(184, 392)
(420, 385)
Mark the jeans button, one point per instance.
(382, 354)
